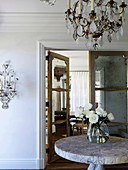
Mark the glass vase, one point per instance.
(98, 134)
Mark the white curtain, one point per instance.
(79, 95)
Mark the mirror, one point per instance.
(111, 87)
(59, 73)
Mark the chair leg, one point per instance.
(73, 130)
(82, 130)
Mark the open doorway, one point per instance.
(79, 89)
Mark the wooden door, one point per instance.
(58, 100)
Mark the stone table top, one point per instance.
(79, 149)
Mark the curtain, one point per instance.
(79, 94)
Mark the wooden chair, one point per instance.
(80, 127)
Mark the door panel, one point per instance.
(58, 98)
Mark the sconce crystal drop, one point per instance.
(50, 2)
(7, 84)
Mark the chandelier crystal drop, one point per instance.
(7, 84)
(95, 20)
(50, 2)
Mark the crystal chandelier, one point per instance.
(7, 84)
(50, 2)
(95, 19)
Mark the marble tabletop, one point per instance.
(79, 149)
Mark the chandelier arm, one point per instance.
(80, 35)
(74, 11)
(86, 22)
(119, 13)
(75, 6)
(106, 28)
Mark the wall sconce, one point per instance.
(7, 84)
(50, 2)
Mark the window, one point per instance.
(79, 95)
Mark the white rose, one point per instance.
(81, 116)
(88, 106)
(93, 118)
(104, 113)
(110, 116)
(78, 112)
(92, 112)
(85, 112)
(88, 113)
(99, 111)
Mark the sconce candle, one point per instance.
(8, 85)
(92, 4)
(68, 4)
(80, 6)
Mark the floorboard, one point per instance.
(62, 164)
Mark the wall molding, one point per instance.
(70, 44)
(42, 109)
(52, 28)
(22, 164)
(32, 22)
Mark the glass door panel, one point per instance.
(58, 98)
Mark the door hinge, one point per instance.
(47, 57)
(47, 104)
(47, 150)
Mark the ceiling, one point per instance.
(37, 17)
(35, 6)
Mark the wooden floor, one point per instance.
(62, 164)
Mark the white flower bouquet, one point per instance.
(97, 117)
(97, 120)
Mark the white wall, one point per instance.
(19, 125)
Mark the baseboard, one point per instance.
(19, 164)
(41, 164)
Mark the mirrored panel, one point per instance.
(111, 87)
(58, 73)
(59, 113)
(59, 101)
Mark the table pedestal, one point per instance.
(95, 167)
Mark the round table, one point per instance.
(79, 149)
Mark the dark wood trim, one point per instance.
(60, 89)
(67, 96)
(92, 79)
(50, 108)
(58, 56)
(58, 122)
(112, 88)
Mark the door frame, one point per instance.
(43, 46)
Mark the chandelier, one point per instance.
(50, 2)
(7, 84)
(95, 19)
